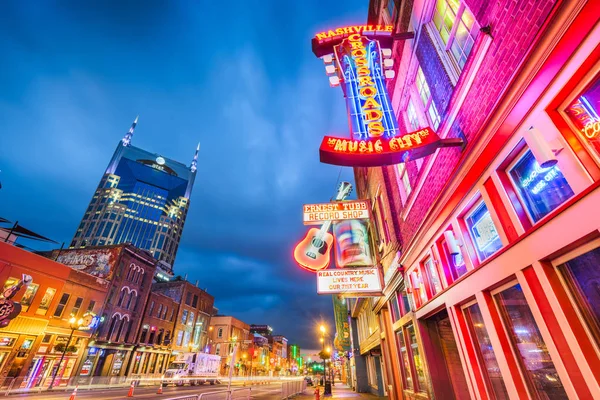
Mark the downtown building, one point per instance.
(490, 254)
(143, 199)
(32, 344)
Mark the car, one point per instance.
(308, 380)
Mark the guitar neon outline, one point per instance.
(313, 253)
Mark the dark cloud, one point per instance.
(238, 77)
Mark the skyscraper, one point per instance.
(143, 198)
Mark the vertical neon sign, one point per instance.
(369, 107)
(359, 59)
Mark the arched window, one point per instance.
(132, 300)
(111, 328)
(130, 272)
(121, 325)
(121, 296)
(124, 331)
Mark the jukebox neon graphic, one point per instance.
(358, 58)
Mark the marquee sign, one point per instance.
(377, 152)
(358, 59)
(315, 214)
(349, 282)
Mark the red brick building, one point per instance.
(490, 253)
(191, 318)
(128, 272)
(153, 352)
(29, 350)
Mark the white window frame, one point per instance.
(445, 50)
(403, 181)
(426, 106)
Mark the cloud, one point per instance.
(249, 90)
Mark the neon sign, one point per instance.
(381, 151)
(369, 107)
(591, 130)
(318, 213)
(357, 57)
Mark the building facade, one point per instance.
(490, 253)
(229, 333)
(128, 273)
(33, 343)
(153, 351)
(143, 199)
(193, 316)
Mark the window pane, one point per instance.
(541, 189)
(405, 361)
(414, 348)
(584, 112)
(434, 116)
(28, 296)
(422, 87)
(45, 302)
(395, 308)
(486, 353)
(483, 232)
(583, 278)
(61, 304)
(434, 279)
(527, 341)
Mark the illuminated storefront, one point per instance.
(495, 290)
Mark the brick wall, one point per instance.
(514, 26)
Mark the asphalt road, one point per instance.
(261, 391)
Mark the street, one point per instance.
(257, 391)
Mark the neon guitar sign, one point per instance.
(313, 253)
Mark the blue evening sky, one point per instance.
(237, 76)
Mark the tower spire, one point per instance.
(195, 160)
(127, 138)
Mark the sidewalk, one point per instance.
(339, 391)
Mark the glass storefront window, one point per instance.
(418, 362)
(540, 189)
(483, 232)
(538, 368)
(485, 352)
(582, 275)
(584, 112)
(405, 361)
(432, 274)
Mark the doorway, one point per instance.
(443, 358)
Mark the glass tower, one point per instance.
(142, 199)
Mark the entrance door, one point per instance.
(443, 359)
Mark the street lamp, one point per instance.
(74, 324)
(327, 385)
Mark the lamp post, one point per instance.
(74, 324)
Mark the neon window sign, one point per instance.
(541, 189)
(483, 232)
(358, 58)
(584, 112)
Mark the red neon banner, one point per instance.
(380, 151)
